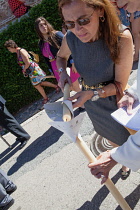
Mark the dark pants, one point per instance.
(8, 122)
(5, 182)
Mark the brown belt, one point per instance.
(51, 60)
(99, 85)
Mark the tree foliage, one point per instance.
(16, 89)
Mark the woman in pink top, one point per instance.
(49, 44)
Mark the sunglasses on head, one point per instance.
(80, 21)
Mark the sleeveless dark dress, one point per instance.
(94, 64)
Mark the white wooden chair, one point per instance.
(10, 146)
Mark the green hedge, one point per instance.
(16, 89)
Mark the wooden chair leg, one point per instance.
(10, 146)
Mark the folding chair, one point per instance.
(10, 146)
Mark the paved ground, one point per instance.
(51, 173)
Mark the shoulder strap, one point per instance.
(19, 54)
(122, 28)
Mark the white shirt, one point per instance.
(129, 153)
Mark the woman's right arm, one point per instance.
(25, 58)
(61, 61)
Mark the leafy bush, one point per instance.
(16, 89)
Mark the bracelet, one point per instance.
(95, 96)
(71, 61)
(60, 70)
(103, 93)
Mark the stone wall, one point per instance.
(5, 13)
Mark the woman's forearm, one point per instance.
(26, 66)
(108, 90)
(61, 63)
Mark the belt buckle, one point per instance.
(86, 87)
(93, 87)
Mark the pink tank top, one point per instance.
(47, 53)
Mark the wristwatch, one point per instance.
(60, 70)
(96, 96)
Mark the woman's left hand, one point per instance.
(24, 73)
(81, 98)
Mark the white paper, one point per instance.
(54, 110)
(55, 113)
(70, 128)
(131, 121)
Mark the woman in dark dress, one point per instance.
(98, 45)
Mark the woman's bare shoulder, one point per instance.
(126, 34)
(23, 51)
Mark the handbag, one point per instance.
(34, 56)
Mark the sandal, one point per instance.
(125, 174)
(45, 101)
(57, 89)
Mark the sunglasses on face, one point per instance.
(80, 21)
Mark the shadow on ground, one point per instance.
(133, 198)
(101, 195)
(50, 137)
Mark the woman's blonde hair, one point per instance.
(109, 28)
(52, 38)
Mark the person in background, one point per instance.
(135, 27)
(31, 69)
(8, 122)
(49, 44)
(18, 7)
(129, 5)
(94, 39)
(129, 153)
(6, 188)
(123, 14)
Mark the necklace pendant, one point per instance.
(50, 57)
